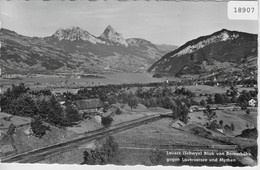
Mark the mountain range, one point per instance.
(76, 50)
(223, 54)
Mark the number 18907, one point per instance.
(244, 9)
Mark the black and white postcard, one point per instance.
(171, 83)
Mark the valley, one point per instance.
(109, 100)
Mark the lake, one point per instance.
(53, 82)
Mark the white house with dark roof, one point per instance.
(252, 102)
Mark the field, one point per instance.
(240, 119)
(127, 114)
(159, 133)
(203, 89)
(155, 135)
(21, 139)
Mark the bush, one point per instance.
(118, 111)
(106, 121)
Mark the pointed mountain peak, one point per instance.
(110, 28)
(76, 33)
(113, 37)
(110, 31)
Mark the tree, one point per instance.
(104, 155)
(167, 91)
(221, 122)
(118, 111)
(110, 148)
(243, 105)
(139, 92)
(203, 103)
(38, 128)
(167, 103)
(247, 111)
(243, 99)
(106, 121)
(16, 91)
(210, 116)
(72, 113)
(111, 99)
(232, 126)
(51, 111)
(180, 111)
(132, 101)
(219, 99)
(23, 106)
(209, 100)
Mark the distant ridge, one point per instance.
(223, 49)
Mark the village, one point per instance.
(211, 112)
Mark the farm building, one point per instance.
(194, 108)
(89, 106)
(178, 124)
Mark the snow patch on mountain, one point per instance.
(223, 36)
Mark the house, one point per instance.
(194, 108)
(61, 102)
(252, 102)
(178, 124)
(89, 106)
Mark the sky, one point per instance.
(160, 22)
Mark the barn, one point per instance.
(89, 106)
